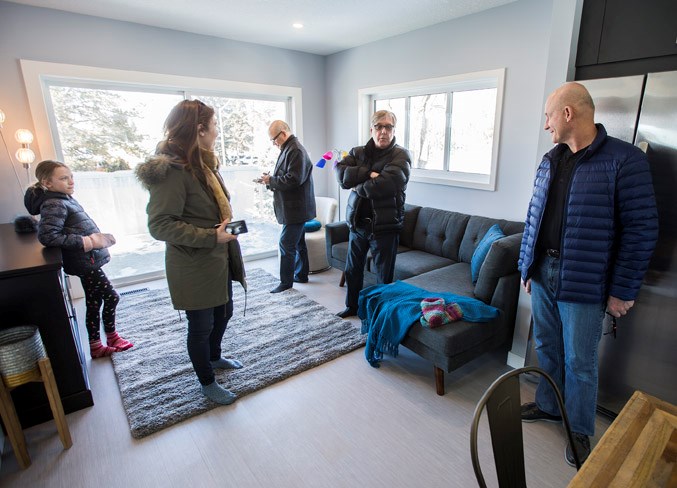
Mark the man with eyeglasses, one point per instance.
(377, 173)
(293, 202)
(590, 231)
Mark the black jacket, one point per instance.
(381, 198)
(63, 223)
(292, 184)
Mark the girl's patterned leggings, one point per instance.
(99, 290)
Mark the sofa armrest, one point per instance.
(501, 261)
(336, 232)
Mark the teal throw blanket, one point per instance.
(388, 311)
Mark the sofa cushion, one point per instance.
(415, 262)
(449, 279)
(312, 225)
(453, 339)
(493, 234)
(501, 261)
(439, 232)
(475, 230)
(340, 251)
(410, 218)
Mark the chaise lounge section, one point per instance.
(435, 253)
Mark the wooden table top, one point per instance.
(639, 449)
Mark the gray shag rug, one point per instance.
(281, 335)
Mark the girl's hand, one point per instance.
(221, 235)
(97, 241)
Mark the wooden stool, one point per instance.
(32, 365)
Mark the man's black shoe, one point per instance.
(582, 445)
(280, 288)
(297, 280)
(531, 413)
(348, 312)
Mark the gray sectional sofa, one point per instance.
(435, 252)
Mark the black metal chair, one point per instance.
(502, 401)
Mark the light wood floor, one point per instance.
(342, 424)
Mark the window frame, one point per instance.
(455, 83)
(37, 75)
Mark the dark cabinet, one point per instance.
(626, 37)
(33, 291)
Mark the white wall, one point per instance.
(514, 36)
(49, 35)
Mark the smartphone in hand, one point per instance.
(237, 227)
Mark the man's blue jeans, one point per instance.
(293, 254)
(566, 336)
(383, 251)
(205, 333)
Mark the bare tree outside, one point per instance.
(97, 133)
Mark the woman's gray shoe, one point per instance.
(225, 363)
(218, 394)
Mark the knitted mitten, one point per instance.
(436, 312)
(117, 342)
(454, 311)
(98, 350)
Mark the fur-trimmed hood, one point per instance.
(156, 168)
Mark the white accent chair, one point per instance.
(316, 241)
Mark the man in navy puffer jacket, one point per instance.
(590, 231)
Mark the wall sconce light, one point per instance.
(24, 154)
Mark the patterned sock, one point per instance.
(117, 342)
(434, 313)
(218, 394)
(224, 363)
(98, 350)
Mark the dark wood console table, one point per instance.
(33, 292)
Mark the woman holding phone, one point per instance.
(189, 209)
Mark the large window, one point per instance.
(102, 128)
(450, 126)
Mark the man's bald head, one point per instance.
(577, 97)
(279, 131)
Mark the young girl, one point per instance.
(64, 224)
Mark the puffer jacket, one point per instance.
(610, 225)
(63, 223)
(182, 213)
(383, 196)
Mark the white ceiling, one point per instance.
(330, 26)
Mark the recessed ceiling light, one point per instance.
(297, 25)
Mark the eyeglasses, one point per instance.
(612, 328)
(278, 135)
(387, 128)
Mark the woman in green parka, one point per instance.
(189, 208)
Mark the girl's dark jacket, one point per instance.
(381, 198)
(63, 223)
(610, 222)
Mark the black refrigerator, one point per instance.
(643, 110)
